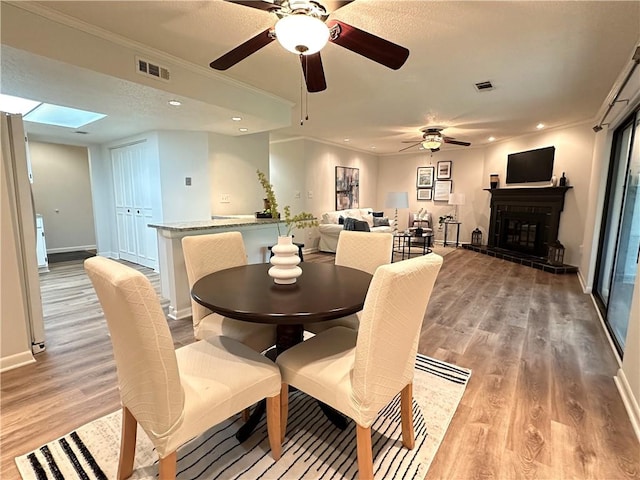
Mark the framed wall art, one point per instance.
(442, 190)
(424, 178)
(347, 188)
(425, 194)
(444, 170)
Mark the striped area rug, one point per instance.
(313, 448)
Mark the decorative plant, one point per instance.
(300, 220)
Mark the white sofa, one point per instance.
(330, 226)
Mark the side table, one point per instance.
(446, 232)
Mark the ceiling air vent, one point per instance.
(482, 86)
(152, 69)
(81, 132)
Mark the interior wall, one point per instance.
(398, 173)
(62, 195)
(233, 162)
(313, 175)
(573, 155)
(182, 155)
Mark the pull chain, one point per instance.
(304, 102)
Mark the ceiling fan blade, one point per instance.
(455, 142)
(266, 5)
(333, 5)
(368, 45)
(242, 51)
(410, 146)
(313, 72)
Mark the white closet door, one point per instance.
(132, 186)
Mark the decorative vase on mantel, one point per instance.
(285, 260)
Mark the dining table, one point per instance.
(324, 291)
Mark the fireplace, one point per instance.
(525, 220)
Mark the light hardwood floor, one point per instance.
(541, 402)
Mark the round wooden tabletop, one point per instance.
(323, 292)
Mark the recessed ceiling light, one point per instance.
(243, 129)
(347, 139)
(373, 147)
(491, 139)
(540, 126)
(175, 103)
(236, 119)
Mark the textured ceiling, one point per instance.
(550, 62)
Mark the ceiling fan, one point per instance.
(432, 139)
(302, 28)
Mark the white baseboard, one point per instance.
(16, 360)
(583, 283)
(77, 248)
(178, 314)
(630, 402)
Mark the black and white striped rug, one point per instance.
(313, 448)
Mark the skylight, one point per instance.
(37, 112)
(62, 116)
(10, 104)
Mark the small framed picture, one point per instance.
(442, 191)
(424, 178)
(444, 170)
(424, 194)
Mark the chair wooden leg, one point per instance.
(406, 415)
(284, 410)
(127, 444)
(273, 426)
(365, 453)
(168, 467)
(246, 413)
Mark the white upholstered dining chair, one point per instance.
(359, 373)
(174, 394)
(205, 254)
(364, 251)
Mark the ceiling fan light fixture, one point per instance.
(432, 140)
(302, 34)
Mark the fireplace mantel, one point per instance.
(529, 194)
(526, 204)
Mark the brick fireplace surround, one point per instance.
(523, 223)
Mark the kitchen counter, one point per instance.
(258, 235)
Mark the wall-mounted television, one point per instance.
(530, 166)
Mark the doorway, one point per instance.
(620, 239)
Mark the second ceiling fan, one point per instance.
(432, 139)
(302, 28)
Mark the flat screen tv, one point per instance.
(530, 166)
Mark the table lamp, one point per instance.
(456, 199)
(397, 200)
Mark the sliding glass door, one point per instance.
(620, 241)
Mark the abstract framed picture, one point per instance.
(425, 194)
(444, 170)
(424, 177)
(347, 188)
(442, 190)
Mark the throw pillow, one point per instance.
(368, 218)
(380, 222)
(341, 220)
(361, 226)
(377, 214)
(349, 223)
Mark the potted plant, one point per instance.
(285, 258)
